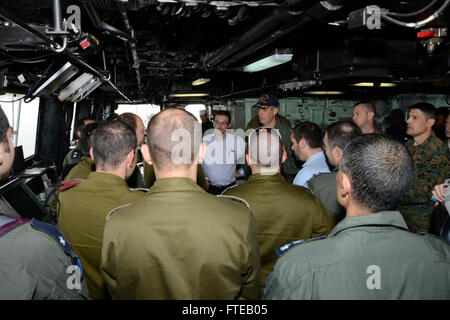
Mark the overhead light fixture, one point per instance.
(200, 81)
(371, 84)
(188, 95)
(269, 62)
(324, 92)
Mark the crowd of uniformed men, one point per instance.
(186, 229)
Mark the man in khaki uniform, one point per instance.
(370, 254)
(85, 206)
(283, 212)
(337, 135)
(179, 242)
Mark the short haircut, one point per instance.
(380, 169)
(4, 126)
(223, 113)
(341, 132)
(265, 147)
(111, 143)
(427, 109)
(309, 131)
(86, 137)
(164, 132)
(368, 105)
(130, 119)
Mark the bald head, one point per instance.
(265, 149)
(174, 138)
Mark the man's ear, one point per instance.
(91, 152)
(370, 115)
(346, 184)
(145, 151)
(275, 111)
(337, 153)
(430, 122)
(130, 157)
(302, 143)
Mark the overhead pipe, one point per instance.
(279, 18)
(103, 26)
(65, 52)
(131, 43)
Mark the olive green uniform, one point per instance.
(34, 266)
(283, 212)
(289, 168)
(82, 219)
(179, 242)
(431, 165)
(82, 170)
(365, 257)
(150, 177)
(324, 187)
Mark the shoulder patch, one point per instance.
(237, 199)
(139, 189)
(233, 186)
(53, 233)
(76, 154)
(113, 211)
(288, 246)
(67, 184)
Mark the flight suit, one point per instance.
(35, 261)
(82, 220)
(150, 178)
(73, 156)
(179, 242)
(373, 256)
(289, 168)
(283, 212)
(324, 187)
(431, 167)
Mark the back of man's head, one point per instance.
(341, 132)
(129, 118)
(428, 110)
(86, 138)
(174, 138)
(265, 148)
(309, 131)
(111, 143)
(380, 170)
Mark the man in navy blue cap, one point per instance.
(268, 106)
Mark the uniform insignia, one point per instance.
(235, 199)
(288, 246)
(76, 153)
(53, 233)
(67, 184)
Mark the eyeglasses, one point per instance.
(218, 123)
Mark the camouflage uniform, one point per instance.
(430, 168)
